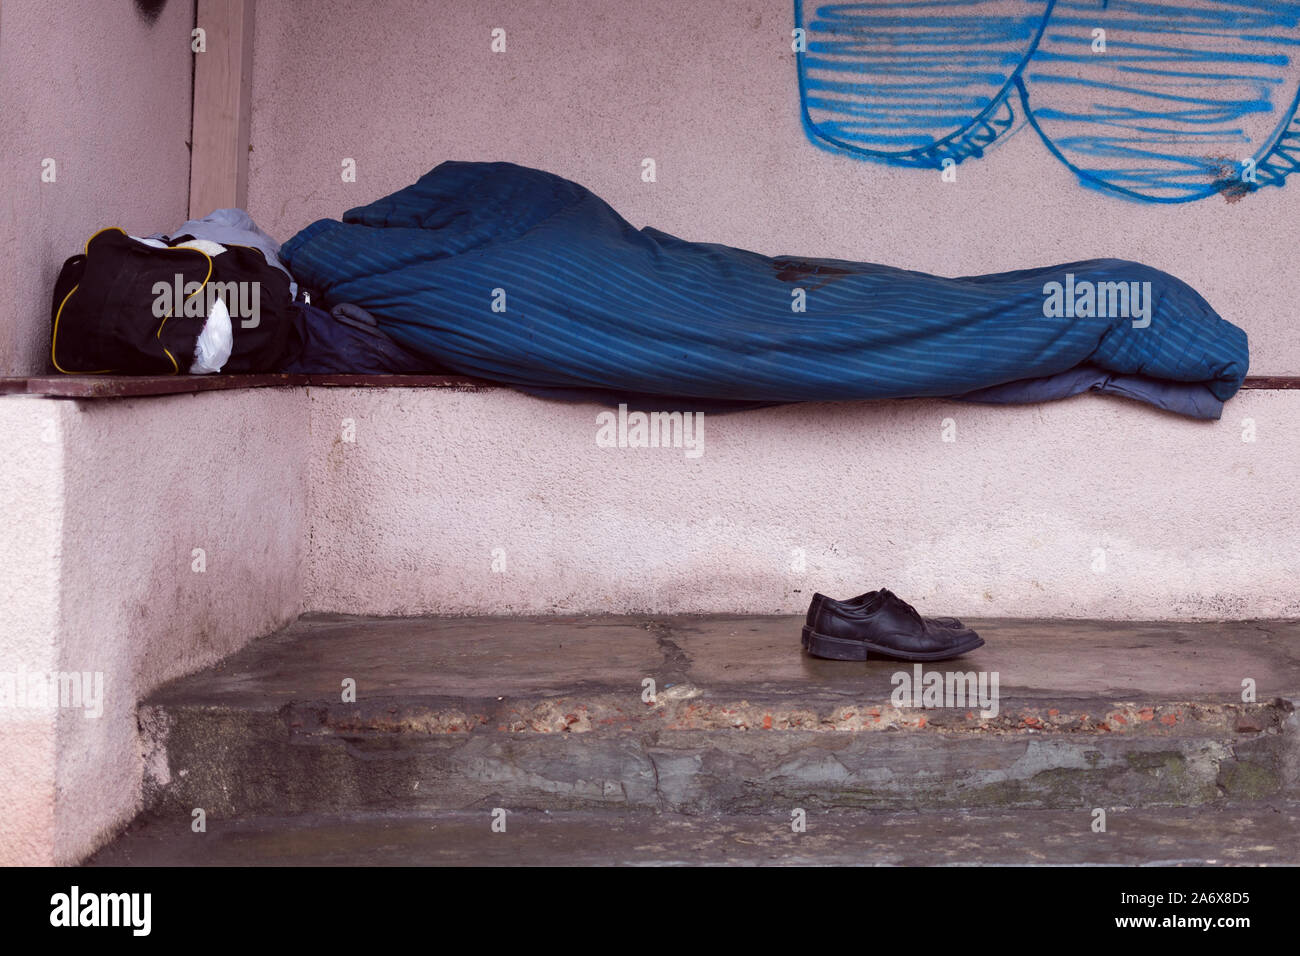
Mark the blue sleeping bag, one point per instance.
(522, 277)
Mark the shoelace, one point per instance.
(899, 602)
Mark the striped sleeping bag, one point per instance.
(524, 278)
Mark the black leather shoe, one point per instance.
(882, 626)
(862, 599)
(819, 600)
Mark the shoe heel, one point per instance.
(832, 648)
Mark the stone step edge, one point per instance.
(683, 708)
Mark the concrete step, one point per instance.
(1178, 836)
(549, 714)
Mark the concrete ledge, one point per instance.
(126, 386)
(138, 386)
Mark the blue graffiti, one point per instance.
(1155, 101)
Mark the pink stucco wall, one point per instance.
(1092, 507)
(150, 487)
(706, 88)
(90, 85)
(110, 500)
(31, 482)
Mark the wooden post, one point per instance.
(222, 106)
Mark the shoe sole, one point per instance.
(843, 649)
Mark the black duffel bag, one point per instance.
(128, 308)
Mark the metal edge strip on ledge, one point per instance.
(136, 386)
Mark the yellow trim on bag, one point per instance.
(54, 336)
